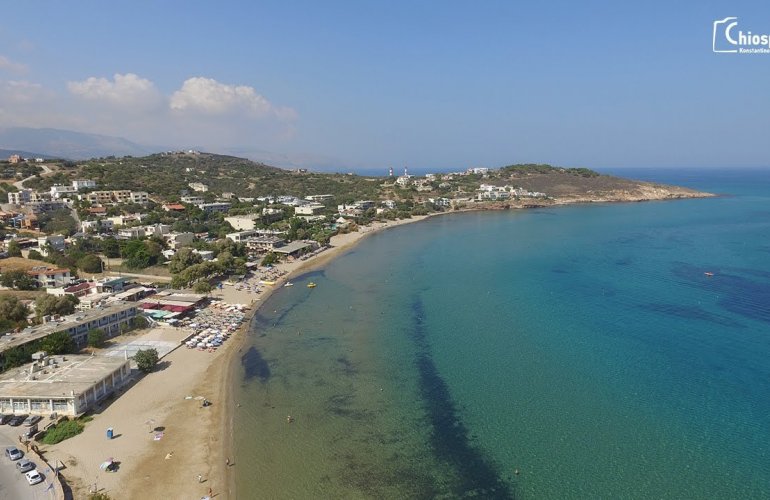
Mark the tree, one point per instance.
(146, 359)
(50, 304)
(57, 343)
(183, 259)
(13, 249)
(110, 248)
(16, 356)
(13, 313)
(16, 278)
(12, 308)
(34, 255)
(269, 259)
(90, 264)
(96, 337)
(202, 287)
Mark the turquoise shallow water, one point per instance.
(582, 346)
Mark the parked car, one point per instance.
(33, 477)
(25, 465)
(5, 418)
(13, 453)
(31, 431)
(32, 420)
(17, 420)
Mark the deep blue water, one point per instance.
(574, 352)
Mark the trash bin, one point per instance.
(109, 433)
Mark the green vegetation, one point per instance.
(57, 343)
(13, 313)
(146, 359)
(538, 168)
(270, 259)
(63, 430)
(99, 496)
(18, 279)
(96, 337)
(58, 222)
(183, 259)
(46, 305)
(139, 254)
(13, 249)
(90, 264)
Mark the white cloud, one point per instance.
(208, 96)
(20, 92)
(201, 113)
(12, 66)
(129, 91)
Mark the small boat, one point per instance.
(311, 285)
(265, 282)
(288, 283)
(708, 273)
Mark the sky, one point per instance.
(354, 85)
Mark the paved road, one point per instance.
(20, 184)
(13, 484)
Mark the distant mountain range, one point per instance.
(5, 153)
(51, 142)
(68, 144)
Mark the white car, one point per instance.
(33, 477)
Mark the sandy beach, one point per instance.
(168, 445)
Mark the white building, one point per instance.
(242, 222)
(192, 200)
(122, 220)
(65, 385)
(241, 236)
(319, 197)
(139, 197)
(47, 277)
(440, 202)
(403, 180)
(215, 207)
(309, 209)
(83, 184)
(198, 186)
(60, 191)
(157, 230)
(20, 197)
(131, 232)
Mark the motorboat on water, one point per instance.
(311, 285)
(709, 273)
(288, 283)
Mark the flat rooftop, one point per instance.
(39, 331)
(71, 373)
(292, 247)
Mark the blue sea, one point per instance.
(563, 353)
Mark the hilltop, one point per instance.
(168, 175)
